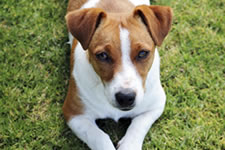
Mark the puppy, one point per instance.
(115, 68)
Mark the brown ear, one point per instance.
(158, 20)
(83, 23)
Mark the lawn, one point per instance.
(34, 73)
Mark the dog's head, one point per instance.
(121, 47)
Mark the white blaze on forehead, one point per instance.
(125, 46)
(128, 73)
(127, 76)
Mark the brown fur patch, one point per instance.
(75, 4)
(158, 20)
(72, 55)
(116, 6)
(72, 105)
(109, 43)
(83, 23)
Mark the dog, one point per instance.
(115, 68)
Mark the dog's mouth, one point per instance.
(126, 108)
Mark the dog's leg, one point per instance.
(88, 131)
(139, 127)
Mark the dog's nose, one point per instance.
(125, 98)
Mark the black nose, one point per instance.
(125, 98)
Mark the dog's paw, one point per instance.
(103, 143)
(128, 144)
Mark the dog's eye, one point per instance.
(142, 54)
(103, 56)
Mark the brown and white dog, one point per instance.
(115, 68)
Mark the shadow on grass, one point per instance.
(116, 130)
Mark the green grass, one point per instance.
(34, 72)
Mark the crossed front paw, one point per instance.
(126, 144)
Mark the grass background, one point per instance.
(34, 72)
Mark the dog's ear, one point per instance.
(158, 20)
(83, 23)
